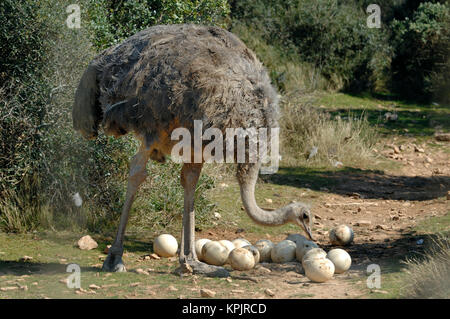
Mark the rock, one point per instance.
(87, 243)
(383, 227)
(396, 149)
(363, 223)
(9, 288)
(428, 159)
(95, 287)
(155, 256)
(207, 293)
(142, 272)
(172, 288)
(269, 201)
(269, 292)
(26, 258)
(217, 215)
(443, 137)
(418, 149)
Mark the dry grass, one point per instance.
(304, 126)
(429, 277)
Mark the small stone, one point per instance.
(9, 288)
(379, 291)
(229, 279)
(418, 149)
(363, 223)
(87, 243)
(26, 258)
(269, 292)
(269, 201)
(155, 256)
(135, 284)
(93, 286)
(217, 215)
(396, 149)
(142, 272)
(172, 288)
(316, 216)
(207, 293)
(383, 227)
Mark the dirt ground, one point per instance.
(384, 208)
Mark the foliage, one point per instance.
(331, 36)
(420, 67)
(113, 21)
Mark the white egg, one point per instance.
(341, 260)
(264, 247)
(314, 253)
(319, 270)
(341, 235)
(303, 247)
(254, 251)
(199, 245)
(240, 242)
(165, 245)
(214, 253)
(296, 238)
(283, 252)
(241, 259)
(228, 244)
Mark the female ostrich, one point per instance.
(164, 78)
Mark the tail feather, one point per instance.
(86, 112)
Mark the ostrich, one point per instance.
(163, 78)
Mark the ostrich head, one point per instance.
(300, 214)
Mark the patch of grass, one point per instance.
(413, 118)
(428, 277)
(304, 128)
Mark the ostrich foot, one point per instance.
(197, 267)
(113, 263)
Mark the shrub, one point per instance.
(420, 66)
(331, 36)
(44, 162)
(113, 21)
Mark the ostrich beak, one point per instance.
(307, 230)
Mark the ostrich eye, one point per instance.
(305, 216)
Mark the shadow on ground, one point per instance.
(373, 184)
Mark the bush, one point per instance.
(421, 66)
(331, 36)
(44, 161)
(113, 21)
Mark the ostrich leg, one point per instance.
(138, 173)
(190, 174)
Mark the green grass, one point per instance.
(413, 119)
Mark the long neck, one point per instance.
(247, 176)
